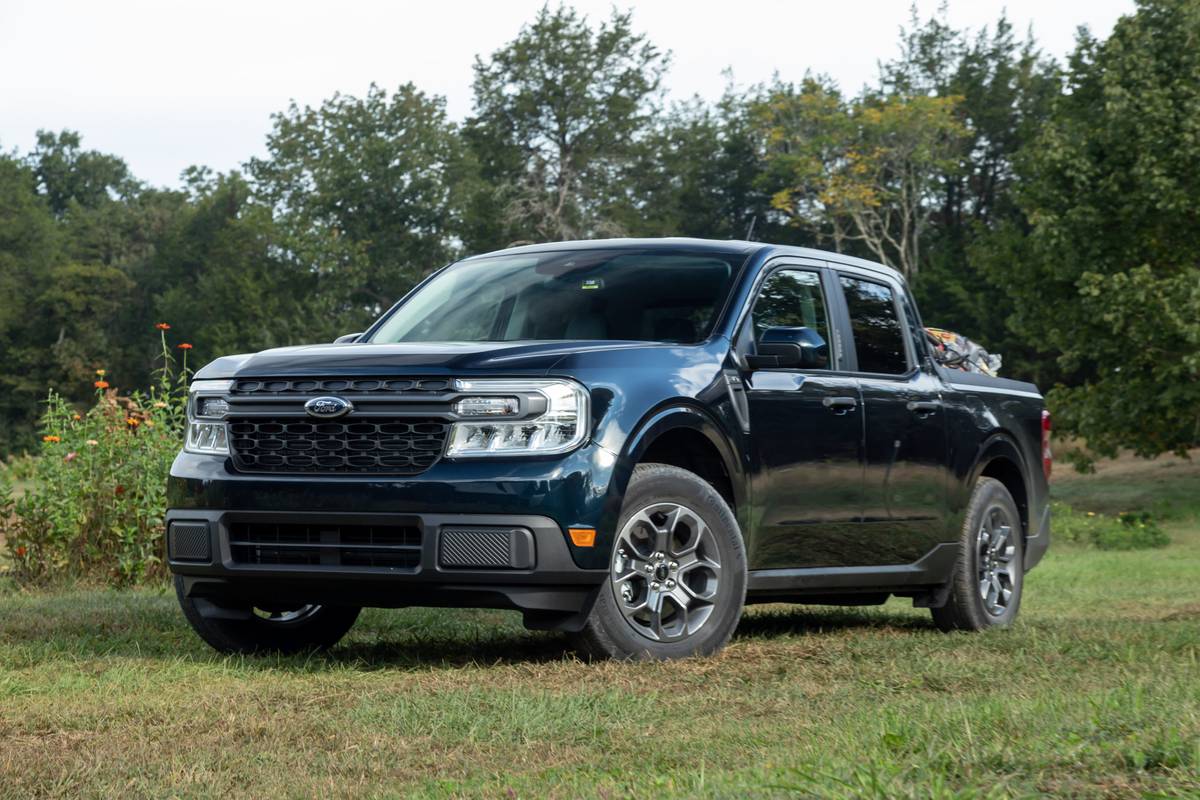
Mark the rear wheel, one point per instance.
(677, 577)
(989, 576)
(286, 628)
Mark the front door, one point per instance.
(806, 429)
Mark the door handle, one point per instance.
(924, 406)
(840, 405)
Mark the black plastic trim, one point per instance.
(933, 568)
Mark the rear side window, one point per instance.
(878, 331)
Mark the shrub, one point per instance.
(93, 506)
(1129, 530)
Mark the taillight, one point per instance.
(1047, 456)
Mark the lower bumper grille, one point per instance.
(392, 546)
(395, 446)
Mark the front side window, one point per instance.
(878, 331)
(791, 298)
(579, 294)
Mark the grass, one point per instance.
(1094, 693)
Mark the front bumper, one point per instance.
(542, 496)
(548, 587)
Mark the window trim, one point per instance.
(838, 352)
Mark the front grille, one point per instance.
(314, 386)
(304, 544)
(396, 446)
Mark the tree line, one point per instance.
(1046, 209)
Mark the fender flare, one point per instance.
(1001, 444)
(675, 416)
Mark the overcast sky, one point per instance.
(168, 84)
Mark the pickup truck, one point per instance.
(626, 440)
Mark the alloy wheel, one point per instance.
(665, 572)
(996, 551)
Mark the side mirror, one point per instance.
(347, 338)
(801, 348)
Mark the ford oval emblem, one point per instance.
(328, 407)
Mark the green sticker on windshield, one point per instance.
(593, 283)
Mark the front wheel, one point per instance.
(278, 629)
(677, 577)
(989, 576)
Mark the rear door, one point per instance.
(905, 485)
(806, 432)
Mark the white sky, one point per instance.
(167, 84)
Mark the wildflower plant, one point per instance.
(94, 506)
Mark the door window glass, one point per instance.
(878, 331)
(791, 298)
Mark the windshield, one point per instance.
(568, 295)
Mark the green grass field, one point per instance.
(1094, 693)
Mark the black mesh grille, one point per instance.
(396, 446)
(189, 541)
(274, 386)
(391, 546)
(486, 548)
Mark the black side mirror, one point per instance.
(347, 338)
(800, 348)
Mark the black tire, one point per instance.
(704, 565)
(970, 606)
(318, 628)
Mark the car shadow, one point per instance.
(147, 625)
(817, 620)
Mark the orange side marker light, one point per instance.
(583, 537)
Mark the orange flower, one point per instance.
(162, 326)
(20, 551)
(184, 346)
(52, 438)
(131, 422)
(76, 417)
(101, 384)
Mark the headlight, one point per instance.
(554, 418)
(207, 435)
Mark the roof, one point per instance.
(676, 243)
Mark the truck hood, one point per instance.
(440, 358)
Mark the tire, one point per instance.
(677, 575)
(989, 576)
(298, 630)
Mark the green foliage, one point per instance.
(362, 189)
(1109, 276)
(1128, 530)
(561, 114)
(1047, 211)
(94, 505)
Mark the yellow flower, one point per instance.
(100, 372)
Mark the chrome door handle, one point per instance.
(924, 406)
(840, 405)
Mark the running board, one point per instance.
(933, 568)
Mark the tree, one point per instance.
(865, 171)
(560, 113)
(1109, 277)
(363, 193)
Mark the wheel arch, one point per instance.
(686, 436)
(1000, 458)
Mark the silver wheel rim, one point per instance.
(287, 617)
(665, 572)
(996, 551)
